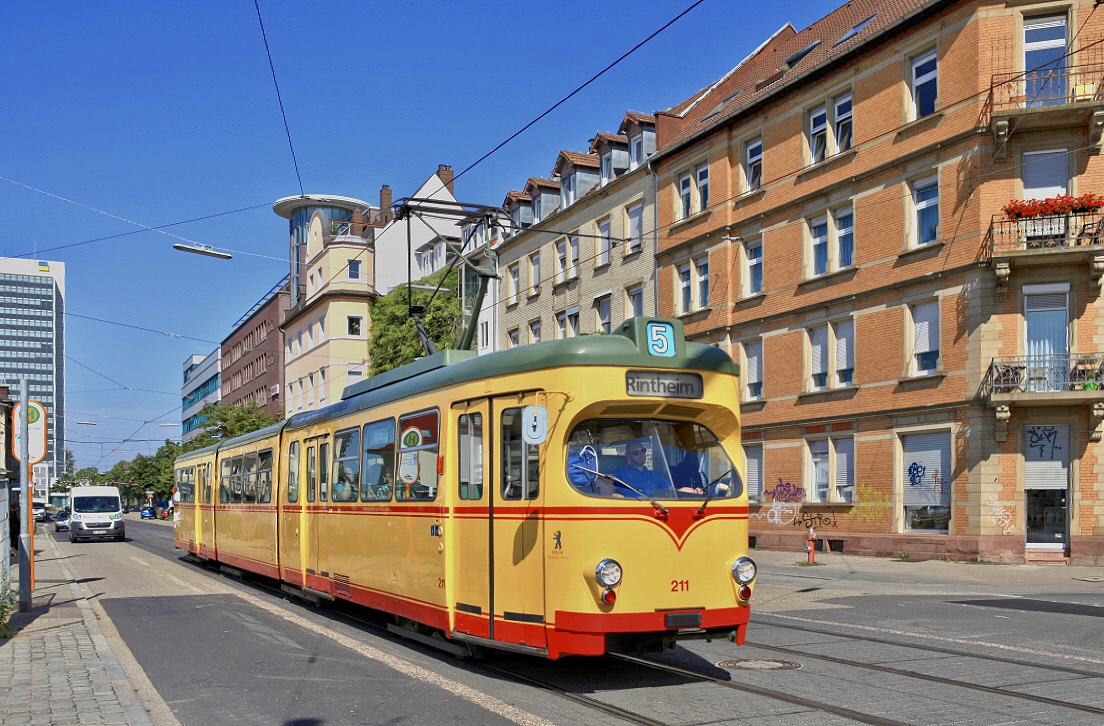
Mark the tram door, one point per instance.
(497, 565)
(291, 520)
(205, 510)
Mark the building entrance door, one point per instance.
(1046, 485)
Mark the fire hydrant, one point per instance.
(810, 544)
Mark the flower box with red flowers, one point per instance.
(1052, 206)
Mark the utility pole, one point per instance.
(26, 537)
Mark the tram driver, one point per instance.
(636, 473)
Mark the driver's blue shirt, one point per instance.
(645, 480)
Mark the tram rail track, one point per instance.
(943, 650)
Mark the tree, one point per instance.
(226, 422)
(395, 340)
(68, 478)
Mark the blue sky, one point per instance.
(164, 111)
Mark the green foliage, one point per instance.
(7, 605)
(68, 478)
(226, 422)
(395, 340)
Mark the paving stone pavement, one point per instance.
(59, 668)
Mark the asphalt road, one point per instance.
(856, 641)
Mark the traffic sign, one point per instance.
(36, 431)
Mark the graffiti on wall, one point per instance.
(872, 504)
(785, 508)
(1001, 516)
(1045, 440)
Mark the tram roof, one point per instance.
(626, 347)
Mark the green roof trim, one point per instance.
(626, 347)
(417, 368)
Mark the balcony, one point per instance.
(1066, 239)
(1069, 95)
(1038, 235)
(1046, 379)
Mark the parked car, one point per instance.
(61, 521)
(149, 513)
(38, 511)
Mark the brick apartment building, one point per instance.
(252, 355)
(921, 373)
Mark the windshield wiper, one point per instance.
(630, 487)
(715, 483)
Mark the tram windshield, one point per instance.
(650, 459)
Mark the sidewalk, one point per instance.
(59, 668)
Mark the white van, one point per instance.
(96, 512)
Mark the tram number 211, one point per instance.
(680, 586)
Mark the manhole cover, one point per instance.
(757, 664)
(1090, 579)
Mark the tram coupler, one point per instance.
(810, 545)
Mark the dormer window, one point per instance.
(567, 191)
(636, 150)
(606, 167)
(797, 57)
(536, 208)
(854, 31)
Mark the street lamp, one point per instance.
(201, 249)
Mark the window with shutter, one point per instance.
(818, 345)
(927, 483)
(753, 453)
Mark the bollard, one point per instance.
(810, 544)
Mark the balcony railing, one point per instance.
(1046, 374)
(1077, 82)
(1080, 229)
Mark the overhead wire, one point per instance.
(279, 98)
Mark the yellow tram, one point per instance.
(572, 497)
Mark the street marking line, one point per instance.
(490, 703)
(960, 641)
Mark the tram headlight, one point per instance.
(608, 573)
(743, 570)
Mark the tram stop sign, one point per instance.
(36, 432)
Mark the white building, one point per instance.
(201, 386)
(427, 253)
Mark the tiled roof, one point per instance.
(638, 119)
(539, 182)
(752, 81)
(603, 139)
(515, 197)
(575, 159)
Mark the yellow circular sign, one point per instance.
(33, 414)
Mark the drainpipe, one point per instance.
(655, 237)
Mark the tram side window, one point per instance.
(249, 478)
(379, 461)
(236, 480)
(312, 473)
(520, 461)
(324, 470)
(185, 485)
(224, 482)
(346, 484)
(418, 450)
(205, 483)
(470, 452)
(293, 473)
(264, 476)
